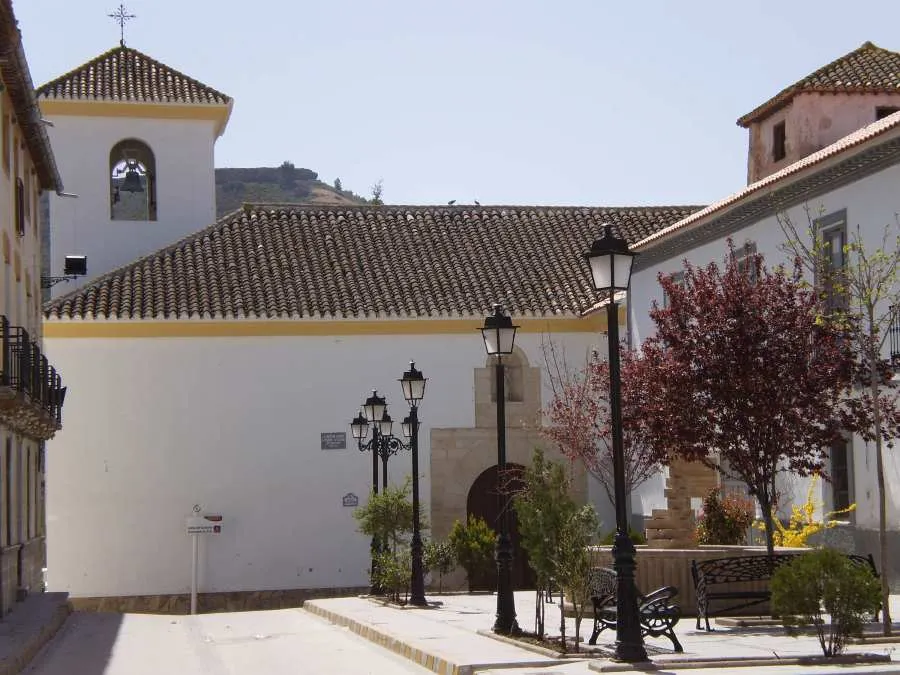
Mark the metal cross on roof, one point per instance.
(122, 17)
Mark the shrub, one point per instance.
(825, 582)
(803, 523)
(636, 537)
(473, 545)
(393, 571)
(724, 520)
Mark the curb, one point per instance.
(435, 664)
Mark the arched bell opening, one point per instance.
(132, 168)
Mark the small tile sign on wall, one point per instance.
(350, 499)
(334, 440)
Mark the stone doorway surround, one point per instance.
(460, 455)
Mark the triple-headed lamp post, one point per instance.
(610, 262)
(383, 444)
(499, 335)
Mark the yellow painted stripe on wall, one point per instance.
(311, 328)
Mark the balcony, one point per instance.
(31, 391)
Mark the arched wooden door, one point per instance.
(482, 501)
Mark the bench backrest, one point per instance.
(602, 583)
(752, 568)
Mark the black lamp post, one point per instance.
(383, 445)
(610, 262)
(499, 335)
(413, 383)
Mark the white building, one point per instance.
(221, 371)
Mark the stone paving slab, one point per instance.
(437, 638)
(275, 642)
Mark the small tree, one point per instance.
(542, 506)
(742, 364)
(825, 582)
(473, 545)
(377, 192)
(338, 185)
(573, 565)
(580, 422)
(865, 291)
(440, 558)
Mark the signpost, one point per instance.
(199, 525)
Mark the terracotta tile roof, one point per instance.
(869, 69)
(127, 75)
(292, 261)
(872, 132)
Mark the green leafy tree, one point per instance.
(473, 545)
(440, 559)
(338, 185)
(393, 572)
(825, 582)
(863, 290)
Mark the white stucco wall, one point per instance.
(871, 203)
(154, 426)
(183, 151)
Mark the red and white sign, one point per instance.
(208, 524)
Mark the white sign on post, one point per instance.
(208, 524)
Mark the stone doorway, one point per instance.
(482, 501)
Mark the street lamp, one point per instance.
(499, 335)
(382, 444)
(413, 383)
(610, 262)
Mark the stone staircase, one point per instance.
(673, 527)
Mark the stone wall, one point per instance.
(9, 577)
(32, 560)
(21, 572)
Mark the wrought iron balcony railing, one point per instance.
(894, 340)
(25, 370)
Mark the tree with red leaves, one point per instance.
(744, 369)
(580, 422)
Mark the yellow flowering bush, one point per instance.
(803, 524)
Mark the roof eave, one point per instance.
(16, 76)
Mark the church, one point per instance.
(213, 366)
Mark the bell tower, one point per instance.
(135, 141)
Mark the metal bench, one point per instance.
(656, 612)
(709, 575)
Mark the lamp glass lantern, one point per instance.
(610, 262)
(374, 407)
(407, 426)
(499, 333)
(413, 384)
(385, 424)
(359, 426)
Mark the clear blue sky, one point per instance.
(587, 102)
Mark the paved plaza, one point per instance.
(357, 636)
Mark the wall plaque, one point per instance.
(334, 440)
(350, 499)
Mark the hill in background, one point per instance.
(285, 184)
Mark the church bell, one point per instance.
(132, 182)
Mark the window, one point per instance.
(779, 136)
(883, 111)
(745, 258)
(678, 278)
(840, 475)
(513, 379)
(4, 142)
(832, 230)
(20, 207)
(132, 190)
